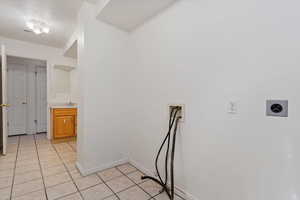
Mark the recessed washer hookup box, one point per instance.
(277, 108)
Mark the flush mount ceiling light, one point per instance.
(37, 27)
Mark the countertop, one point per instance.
(63, 105)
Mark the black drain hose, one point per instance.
(170, 192)
(171, 123)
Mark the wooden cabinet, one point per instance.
(64, 122)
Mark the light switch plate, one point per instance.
(232, 107)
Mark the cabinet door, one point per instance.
(64, 126)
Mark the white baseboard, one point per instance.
(79, 167)
(141, 168)
(182, 193)
(186, 195)
(89, 171)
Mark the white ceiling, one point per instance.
(129, 14)
(59, 14)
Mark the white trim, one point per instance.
(4, 99)
(141, 167)
(79, 167)
(186, 195)
(25, 61)
(92, 170)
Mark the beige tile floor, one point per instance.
(35, 169)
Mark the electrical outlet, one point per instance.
(180, 113)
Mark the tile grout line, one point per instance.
(79, 173)
(67, 169)
(54, 174)
(58, 183)
(57, 154)
(14, 171)
(144, 182)
(105, 182)
(115, 194)
(111, 178)
(27, 181)
(91, 186)
(125, 189)
(135, 182)
(72, 147)
(66, 195)
(122, 174)
(40, 167)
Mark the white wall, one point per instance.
(102, 58)
(203, 54)
(35, 51)
(62, 85)
(53, 56)
(74, 76)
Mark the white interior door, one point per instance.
(17, 99)
(31, 100)
(41, 99)
(3, 99)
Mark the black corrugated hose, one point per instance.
(173, 120)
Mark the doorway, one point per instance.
(27, 96)
(2, 136)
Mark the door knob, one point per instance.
(4, 105)
(24, 102)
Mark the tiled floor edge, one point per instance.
(13, 179)
(140, 167)
(179, 191)
(38, 156)
(86, 172)
(67, 171)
